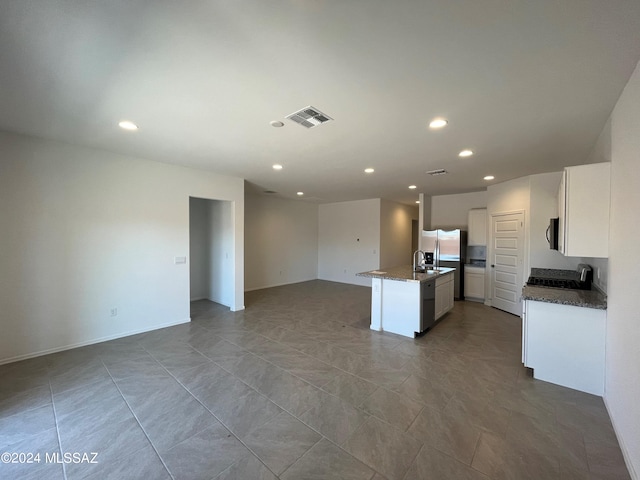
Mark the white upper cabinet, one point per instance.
(583, 209)
(477, 227)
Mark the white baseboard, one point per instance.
(623, 447)
(90, 342)
(474, 299)
(278, 285)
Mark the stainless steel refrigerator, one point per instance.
(448, 249)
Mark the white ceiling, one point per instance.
(527, 85)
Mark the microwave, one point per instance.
(552, 233)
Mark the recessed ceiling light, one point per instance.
(276, 123)
(300, 194)
(489, 177)
(412, 187)
(369, 170)
(277, 166)
(417, 201)
(465, 153)
(438, 123)
(127, 125)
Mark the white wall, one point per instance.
(507, 197)
(451, 211)
(601, 153)
(424, 215)
(281, 241)
(395, 233)
(543, 203)
(221, 266)
(622, 389)
(199, 249)
(348, 240)
(85, 230)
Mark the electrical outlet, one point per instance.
(114, 312)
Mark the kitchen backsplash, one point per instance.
(477, 252)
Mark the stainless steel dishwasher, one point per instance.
(428, 307)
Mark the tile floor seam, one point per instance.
(475, 449)
(289, 412)
(292, 374)
(140, 425)
(224, 424)
(215, 416)
(310, 356)
(404, 477)
(301, 456)
(259, 392)
(267, 421)
(414, 421)
(413, 459)
(55, 418)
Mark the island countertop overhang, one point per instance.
(405, 273)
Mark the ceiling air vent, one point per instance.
(440, 171)
(309, 117)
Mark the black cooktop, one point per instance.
(557, 283)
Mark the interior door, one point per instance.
(507, 261)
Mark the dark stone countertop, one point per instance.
(565, 296)
(405, 273)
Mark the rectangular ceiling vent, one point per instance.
(440, 171)
(309, 117)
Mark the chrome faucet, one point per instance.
(420, 265)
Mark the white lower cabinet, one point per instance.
(474, 283)
(445, 287)
(564, 344)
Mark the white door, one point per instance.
(507, 255)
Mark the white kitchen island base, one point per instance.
(407, 303)
(399, 306)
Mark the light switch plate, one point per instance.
(179, 260)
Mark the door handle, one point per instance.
(492, 266)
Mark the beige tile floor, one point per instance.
(297, 387)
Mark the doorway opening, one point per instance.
(211, 247)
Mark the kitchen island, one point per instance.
(407, 302)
